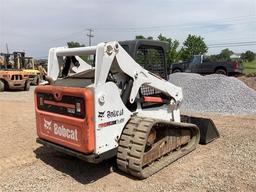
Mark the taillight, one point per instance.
(41, 101)
(78, 107)
(234, 65)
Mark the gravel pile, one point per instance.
(215, 93)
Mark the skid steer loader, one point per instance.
(119, 105)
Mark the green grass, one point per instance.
(249, 67)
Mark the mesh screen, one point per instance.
(152, 59)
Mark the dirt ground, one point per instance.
(227, 164)
(249, 81)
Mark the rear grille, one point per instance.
(16, 77)
(148, 91)
(68, 105)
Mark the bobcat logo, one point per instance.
(47, 124)
(101, 114)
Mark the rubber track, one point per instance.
(132, 144)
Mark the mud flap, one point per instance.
(208, 130)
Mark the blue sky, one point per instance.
(37, 25)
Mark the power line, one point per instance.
(219, 22)
(232, 44)
(68, 35)
(229, 21)
(238, 45)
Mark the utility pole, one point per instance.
(90, 35)
(7, 49)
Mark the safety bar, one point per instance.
(77, 51)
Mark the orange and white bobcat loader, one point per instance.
(119, 105)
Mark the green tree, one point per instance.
(225, 54)
(173, 54)
(74, 44)
(213, 58)
(143, 37)
(194, 45)
(140, 37)
(248, 56)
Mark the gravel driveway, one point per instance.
(227, 164)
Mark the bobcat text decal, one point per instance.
(115, 113)
(60, 130)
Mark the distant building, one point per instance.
(235, 56)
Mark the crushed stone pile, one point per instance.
(215, 93)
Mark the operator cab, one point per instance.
(150, 54)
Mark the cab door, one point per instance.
(195, 66)
(152, 58)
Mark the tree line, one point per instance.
(195, 45)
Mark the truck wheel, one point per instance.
(221, 71)
(27, 86)
(176, 71)
(1, 86)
